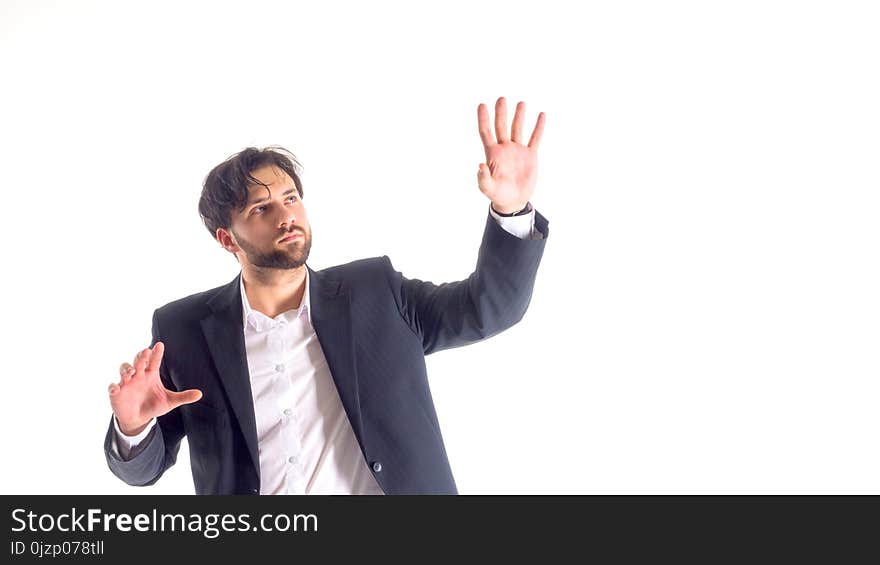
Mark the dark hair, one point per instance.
(226, 186)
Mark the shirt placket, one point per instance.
(292, 449)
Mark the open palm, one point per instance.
(140, 395)
(510, 172)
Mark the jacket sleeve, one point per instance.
(158, 451)
(493, 298)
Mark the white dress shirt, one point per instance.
(306, 443)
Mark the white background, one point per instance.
(705, 318)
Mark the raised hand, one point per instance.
(140, 395)
(509, 174)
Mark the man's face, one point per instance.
(270, 215)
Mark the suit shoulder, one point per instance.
(372, 272)
(359, 268)
(192, 305)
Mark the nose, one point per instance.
(287, 219)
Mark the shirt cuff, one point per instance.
(124, 443)
(522, 227)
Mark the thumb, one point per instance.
(484, 178)
(185, 397)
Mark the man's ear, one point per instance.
(227, 240)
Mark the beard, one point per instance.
(292, 255)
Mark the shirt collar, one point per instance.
(261, 322)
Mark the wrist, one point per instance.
(132, 429)
(511, 210)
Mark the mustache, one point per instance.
(284, 234)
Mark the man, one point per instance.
(292, 381)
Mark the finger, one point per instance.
(483, 125)
(501, 120)
(516, 129)
(184, 397)
(156, 356)
(126, 371)
(134, 367)
(140, 362)
(113, 389)
(538, 131)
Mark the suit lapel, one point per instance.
(330, 311)
(224, 333)
(331, 317)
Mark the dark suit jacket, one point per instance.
(375, 328)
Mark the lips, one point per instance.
(290, 237)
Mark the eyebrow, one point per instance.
(263, 199)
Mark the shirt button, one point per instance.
(279, 368)
(292, 459)
(377, 466)
(288, 411)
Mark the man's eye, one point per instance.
(259, 209)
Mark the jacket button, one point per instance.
(377, 466)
